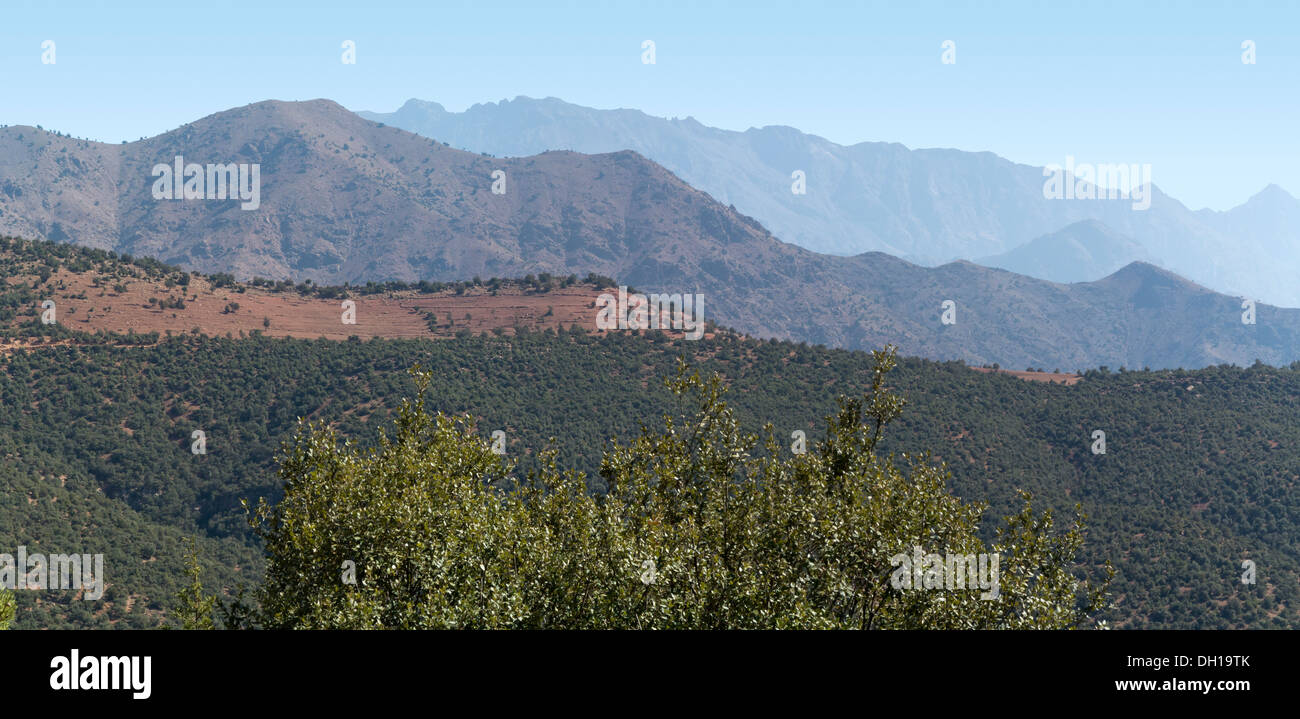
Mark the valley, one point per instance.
(1199, 473)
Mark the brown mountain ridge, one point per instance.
(343, 199)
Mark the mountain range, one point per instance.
(1081, 252)
(925, 205)
(347, 200)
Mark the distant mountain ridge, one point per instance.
(345, 200)
(1081, 252)
(926, 205)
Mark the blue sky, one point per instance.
(1157, 82)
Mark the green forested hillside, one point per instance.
(1199, 474)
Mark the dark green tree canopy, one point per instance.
(702, 526)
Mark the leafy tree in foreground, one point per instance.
(7, 607)
(703, 526)
(194, 609)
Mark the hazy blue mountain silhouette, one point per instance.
(1082, 252)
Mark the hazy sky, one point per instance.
(1134, 82)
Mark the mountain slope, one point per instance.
(346, 200)
(1139, 316)
(927, 205)
(1082, 252)
(1200, 472)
